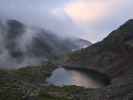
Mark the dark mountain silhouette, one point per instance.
(112, 56)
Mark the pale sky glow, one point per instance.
(89, 19)
(82, 11)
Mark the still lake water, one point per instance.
(65, 77)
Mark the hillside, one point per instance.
(112, 56)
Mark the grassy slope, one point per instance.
(29, 84)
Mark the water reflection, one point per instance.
(61, 77)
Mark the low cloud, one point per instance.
(89, 19)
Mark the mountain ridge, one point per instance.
(32, 45)
(112, 56)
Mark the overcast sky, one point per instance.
(89, 19)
